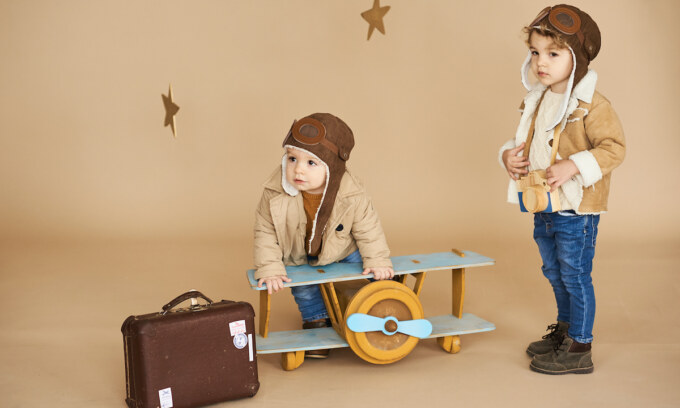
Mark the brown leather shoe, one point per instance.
(316, 324)
(570, 358)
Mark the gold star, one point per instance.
(170, 111)
(374, 17)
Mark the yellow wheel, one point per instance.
(292, 360)
(450, 344)
(383, 299)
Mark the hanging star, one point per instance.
(170, 111)
(374, 17)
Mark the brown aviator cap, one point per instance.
(579, 31)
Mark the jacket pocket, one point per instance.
(342, 230)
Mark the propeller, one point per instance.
(360, 322)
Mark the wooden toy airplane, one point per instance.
(380, 321)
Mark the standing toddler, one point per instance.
(560, 163)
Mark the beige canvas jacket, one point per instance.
(591, 136)
(280, 223)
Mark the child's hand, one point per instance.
(515, 164)
(274, 283)
(560, 172)
(379, 273)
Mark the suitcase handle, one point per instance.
(192, 294)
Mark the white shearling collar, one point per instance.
(585, 89)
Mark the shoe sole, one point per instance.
(585, 370)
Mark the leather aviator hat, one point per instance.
(582, 36)
(578, 29)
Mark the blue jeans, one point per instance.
(309, 299)
(567, 247)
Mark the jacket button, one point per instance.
(340, 228)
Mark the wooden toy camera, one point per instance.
(534, 193)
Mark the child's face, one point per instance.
(551, 65)
(305, 171)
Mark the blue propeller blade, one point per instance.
(420, 328)
(359, 322)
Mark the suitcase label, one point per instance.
(237, 327)
(165, 395)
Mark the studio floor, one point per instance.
(63, 304)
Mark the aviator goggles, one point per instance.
(563, 19)
(310, 131)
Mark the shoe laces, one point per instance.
(561, 346)
(555, 336)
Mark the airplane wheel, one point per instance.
(292, 360)
(382, 299)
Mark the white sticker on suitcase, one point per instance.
(240, 341)
(250, 347)
(165, 395)
(237, 327)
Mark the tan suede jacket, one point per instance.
(592, 137)
(280, 229)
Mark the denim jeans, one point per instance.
(567, 246)
(309, 299)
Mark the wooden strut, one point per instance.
(265, 310)
(457, 291)
(326, 300)
(335, 304)
(418, 285)
(324, 296)
(451, 344)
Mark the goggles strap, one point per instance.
(319, 139)
(579, 34)
(329, 145)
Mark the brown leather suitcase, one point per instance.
(192, 356)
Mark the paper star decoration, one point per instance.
(374, 17)
(170, 111)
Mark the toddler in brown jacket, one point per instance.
(560, 161)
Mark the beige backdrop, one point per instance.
(84, 153)
(100, 202)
